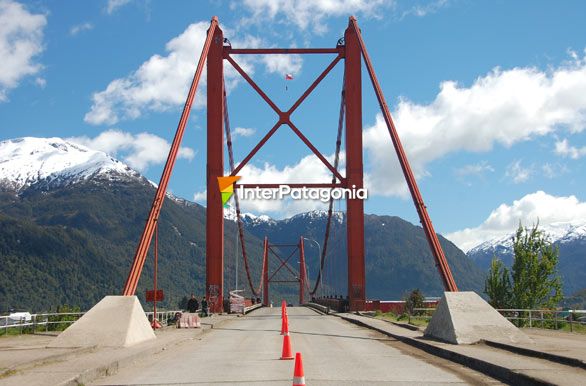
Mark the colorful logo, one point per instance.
(227, 188)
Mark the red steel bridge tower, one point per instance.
(216, 52)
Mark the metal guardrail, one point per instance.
(533, 318)
(37, 322)
(323, 309)
(44, 322)
(539, 318)
(252, 308)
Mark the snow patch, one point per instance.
(561, 233)
(28, 161)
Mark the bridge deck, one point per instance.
(247, 351)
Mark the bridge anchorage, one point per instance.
(352, 51)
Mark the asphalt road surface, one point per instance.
(246, 351)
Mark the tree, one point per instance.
(534, 272)
(414, 300)
(498, 285)
(532, 282)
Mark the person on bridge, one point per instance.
(204, 307)
(192, 304)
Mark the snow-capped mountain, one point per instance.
(309, 217)
(51, 162)
(247, 218)
(561, 233)
(314, 215)
(570, 238)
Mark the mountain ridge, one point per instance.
(93, 219)
(570, 238)
(52, 162)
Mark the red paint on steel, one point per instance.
(436, 249)
(147, 234)
(284, 117)
(155, 324)
(253, 85)
(284, 262)
(302, 276)
(256, 149)
(317, 81)
(215, 169)
(299, 277)
(315, 151)
(354, 170)
(265, 272)
(276, 186)
(263, 51)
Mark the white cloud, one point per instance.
(421, 10)
(41, 82)
(200, 196)
(74, 30)
(477, 169)
(114, 5)
(308, 170)
(243, 132)
(502, 107)
(518, 173)
(162, 82)
(564, 149)
(139, 151)
(283, 64)
(532, 208)
(21, 41)
(553, 170)
(311, 14)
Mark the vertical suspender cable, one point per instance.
(255, 291)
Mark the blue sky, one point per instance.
(489, 97)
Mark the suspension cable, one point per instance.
(254, 291)
(331, 203)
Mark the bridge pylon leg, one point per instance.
(354, 171)
(215, 169)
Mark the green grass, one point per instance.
(577, 328)
(12, 331)
(403, 318)
(421, 321)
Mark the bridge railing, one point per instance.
(252, 308)
(38, 322)
(335, 304)
(58, 321)
(549, 319)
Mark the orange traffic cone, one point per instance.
(283, 308)
(284, 325)
(287, 353)
(298, 374)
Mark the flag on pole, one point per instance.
(287, 77)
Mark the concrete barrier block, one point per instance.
(466, 318)
(116, 321)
